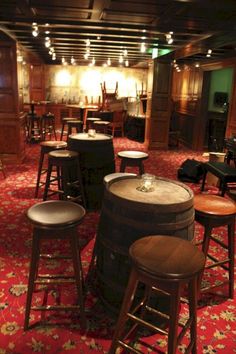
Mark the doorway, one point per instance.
(216, 93)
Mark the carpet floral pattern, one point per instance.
(216, 312)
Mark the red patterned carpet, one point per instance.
(216, 313)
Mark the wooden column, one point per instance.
(159, 106)
(12, 146)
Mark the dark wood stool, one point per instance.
(46, 147)
(90, 122)
(213, 211)
(55, 220)
(69, 180)
(34, 127)
(64, 124)
(101, 126)
(165, 265)
(48, 126)
(132, 158)
(226, 174)
(74, 124)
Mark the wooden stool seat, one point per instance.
(213, 211)
(165, 265)
(69, 180)
(226, 174)
(55, 220)
(132, 158)
(46, 147)
(64, 123)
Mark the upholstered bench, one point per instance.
(226, 174)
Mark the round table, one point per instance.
(97, 159)
(128, 214)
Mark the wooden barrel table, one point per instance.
(128, 214)
(97, 159)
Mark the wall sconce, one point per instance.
(147, 183)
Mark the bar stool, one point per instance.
(213, 211)
(76, 124)
(34, 127)
(90, 122)
(132, 158)
(48, 125)
(69, 180)
(46, 147)
(64, 123)
(165, 265)
(101, 126)
(55, 220)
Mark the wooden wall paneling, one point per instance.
(160, 108)
(11, 131)
(37, 82)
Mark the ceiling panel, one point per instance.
(116, 26)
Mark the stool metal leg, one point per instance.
(41, 158)
(32, 275)
(78, 275)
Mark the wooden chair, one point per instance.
(117, 122)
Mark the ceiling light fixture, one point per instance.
(47, 42)
(108, 61)
(169, 38)
(87, 42)
(121, 59)
(209, 53)
(72, 60)
(35, 29)
(126, 63)
(143, 47)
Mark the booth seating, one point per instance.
(166, 265)
(132, 158)
(225, 173)
(213, 211)
(46, 147)
(68, 178)
(54, 220)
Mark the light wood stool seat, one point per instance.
(101, 126)
(166, 265)
(55, 220)
(132, 158)
(46, 147)
(213, 211)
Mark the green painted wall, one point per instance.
(221, 81)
